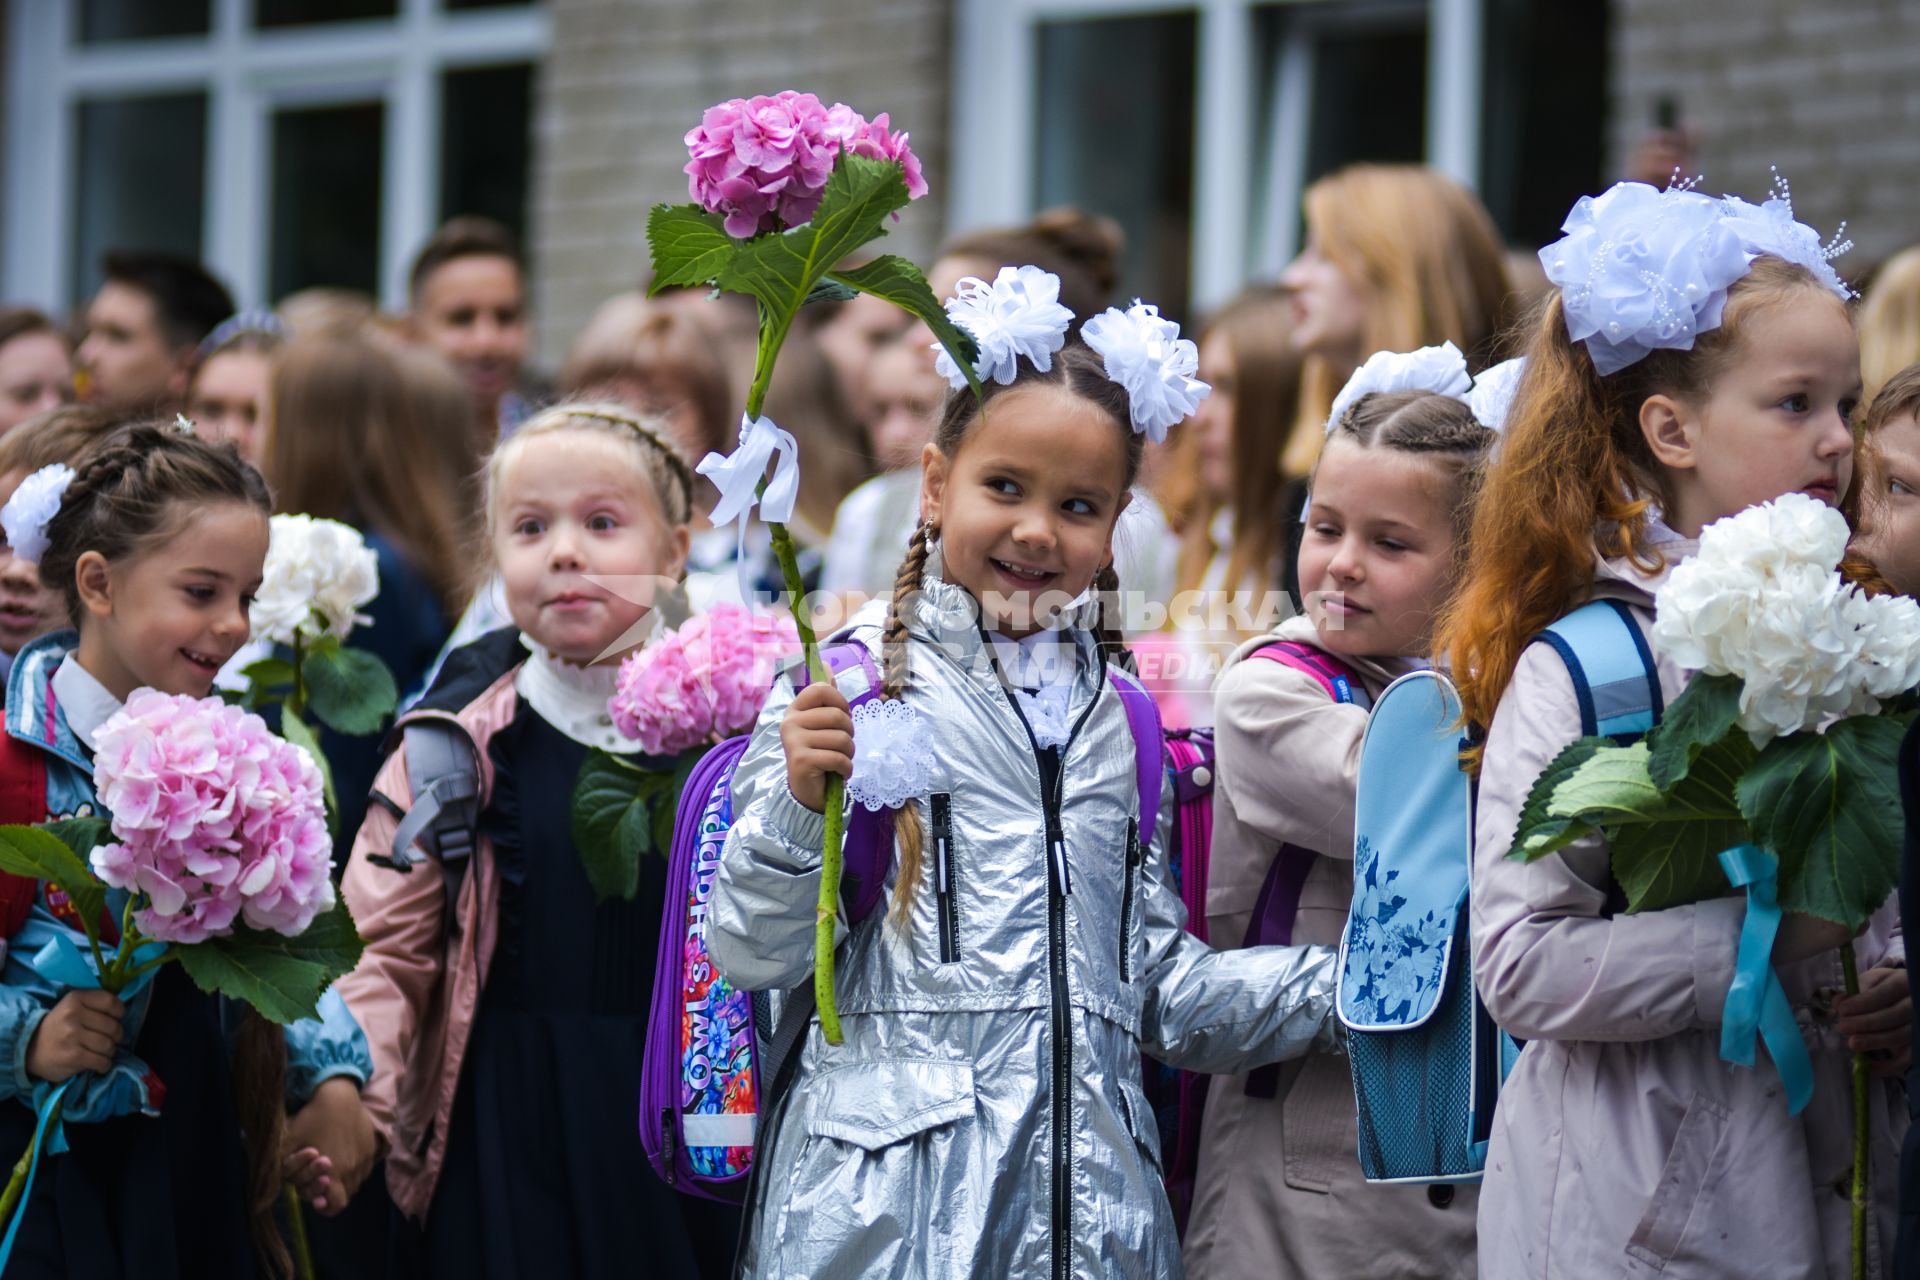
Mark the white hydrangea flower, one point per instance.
(1018, 315)
(1763, 601)
(319, 574)
(32, 508)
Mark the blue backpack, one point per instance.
(1427, 1061)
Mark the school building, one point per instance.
(299, 142)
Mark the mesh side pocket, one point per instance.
(1414, 1089)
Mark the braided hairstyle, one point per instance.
(1435, 427)
(1079, 371)
(134, 491)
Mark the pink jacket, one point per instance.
(1280, 1193)
(413, 994)
(1623, 1145)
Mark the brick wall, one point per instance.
(624, 79)
(1825, 89)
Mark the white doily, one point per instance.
(892, 754)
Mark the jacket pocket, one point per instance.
(941, 822)
(1693, 1166)
(877, 1103)
(1130, 889)
(1141, 1123)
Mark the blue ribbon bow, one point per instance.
(1757, 1004)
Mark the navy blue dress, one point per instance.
(544, 1173)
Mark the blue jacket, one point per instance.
(317, 1049)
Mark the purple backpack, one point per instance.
(710, 1064)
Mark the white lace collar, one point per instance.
(571, 698)
(84, 701)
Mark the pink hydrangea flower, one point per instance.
(763, 163)
(704, 682)
(217, 820)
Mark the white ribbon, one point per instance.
(1441, 370)
(737, 475)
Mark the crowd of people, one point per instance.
(465, 1105)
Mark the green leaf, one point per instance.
(898, 281)
(41, 854)
(282, 977)
(1672, 856)
(349, 690)
(1828, 806)
(689, 245)
(82, 835)
(1701, 716)
(1540, 831)
(295, 730)
(611, 824)
(268, 673)
(781, 270)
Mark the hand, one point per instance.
(1802, 937)
(1658, 153)
(331, 1146)
(1879, 1021)
(80, 1033)
(817, 733)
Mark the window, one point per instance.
(1200, 125)
(283, 142)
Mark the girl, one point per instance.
(1890, 508)
(227, 399)
(1712, 373)
(156, 547)
(1280, 1192)
(1396, 257)
(36, 366)
(507, 1025)
(984, 1115)
(1889, 320)
(29, 609)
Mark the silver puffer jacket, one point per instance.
(984, 1117)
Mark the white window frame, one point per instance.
(1238, 234)
(246, 74)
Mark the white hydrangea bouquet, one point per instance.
(1776, 770)
(318, 577)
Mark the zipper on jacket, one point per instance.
(1126, 900)
(1059, 885)
(943, 877)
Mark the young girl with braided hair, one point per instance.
(1279, 1190)
(984, 1114)
(156, 545)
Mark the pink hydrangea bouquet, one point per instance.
(702, 683)
(788, 189)
(675, 698)
(216, 840)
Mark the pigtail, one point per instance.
(1106, 630)
(259, 1087)
(909, 837)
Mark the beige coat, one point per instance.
(1280, 1192)
(413, 993)
(1623, 1145)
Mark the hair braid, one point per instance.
(1106, 629)
(260, 1076)
(909, 838)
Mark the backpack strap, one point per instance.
(23, 802)
(1614, 677)
(1342, 682)
(1143, 721)
(443, 770)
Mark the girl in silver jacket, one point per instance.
(984, 1115)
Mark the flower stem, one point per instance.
(1851, 969)
(297, 699)
(297, 1228)
(17, 1182)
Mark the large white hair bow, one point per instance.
(1019, 314)
(32, 508)
(1770, 228)
(1145, 354)
(1441, 370)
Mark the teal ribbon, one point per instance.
(43, 1133)
(1757, 1006)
